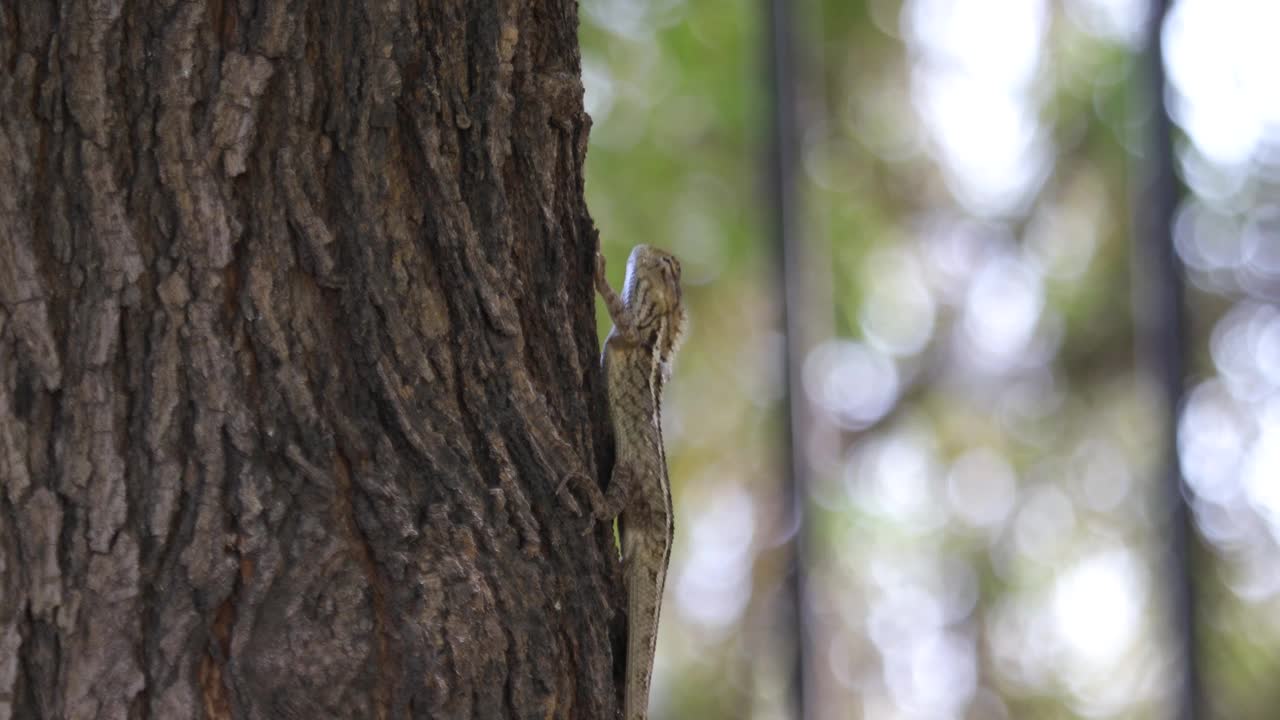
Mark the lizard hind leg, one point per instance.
(604, 506)
(595, 498)
(618, 496)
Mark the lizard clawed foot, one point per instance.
(601, 279)
(593, 493)
(568, 499)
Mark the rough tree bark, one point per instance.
(296, 340)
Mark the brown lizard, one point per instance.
(648, 324)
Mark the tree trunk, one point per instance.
(296, 342)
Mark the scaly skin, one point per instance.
(648, 324)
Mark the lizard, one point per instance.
(649, 321)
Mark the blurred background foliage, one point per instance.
(984, 540)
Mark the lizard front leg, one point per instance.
(623, 324)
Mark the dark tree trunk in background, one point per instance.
(296, 339)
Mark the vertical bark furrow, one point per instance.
(22, 279)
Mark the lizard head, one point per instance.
(653, 281)
(652, 291)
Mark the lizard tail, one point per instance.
(644, 603)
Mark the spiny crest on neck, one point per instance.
(675, 327)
